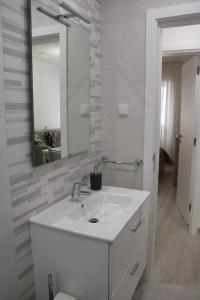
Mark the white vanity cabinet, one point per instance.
(127, 259)
(89, 268)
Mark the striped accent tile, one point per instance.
(33, 190)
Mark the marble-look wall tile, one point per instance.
(9, 284)
(27, 190)
(114, 11)
(8, 271)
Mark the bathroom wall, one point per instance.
(25, 191)
(123, 81)
(46, 80)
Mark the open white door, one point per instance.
(187, 138)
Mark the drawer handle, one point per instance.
(135, 229)
(135, 268)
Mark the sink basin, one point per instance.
(102, 215)
(99, 208)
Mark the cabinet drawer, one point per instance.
(124, 248)
(132, 276)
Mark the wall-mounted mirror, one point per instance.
(60, 85)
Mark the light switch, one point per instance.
(123, 110)
(84, 109)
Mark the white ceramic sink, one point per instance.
(99, 208)
(112, 207)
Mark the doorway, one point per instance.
(176, 259)
(156, 19)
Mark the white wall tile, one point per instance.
(123, 74)
(2, 109)
(4, 182)
(7, 252)
(109, 46)
(31, 190)
(114, 11)
(9, 284)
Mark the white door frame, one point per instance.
(180, 15)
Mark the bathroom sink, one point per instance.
(99, 208)
(102, 215)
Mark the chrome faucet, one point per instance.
(76, 192)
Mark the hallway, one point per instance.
(176, 273)
(177, 258)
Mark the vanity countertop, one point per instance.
(56, 217)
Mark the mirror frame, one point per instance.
(30, 66)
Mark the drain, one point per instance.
(93, 220)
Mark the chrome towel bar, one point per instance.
(137, 163)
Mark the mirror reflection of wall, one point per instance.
(46, 82)
(61, 86)
(78, 92)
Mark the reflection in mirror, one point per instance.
(60, 86)
(46, 93)
(78, 91)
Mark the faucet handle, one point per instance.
(77, 185)
(77, 191)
